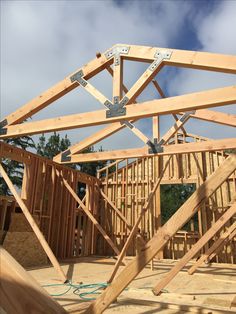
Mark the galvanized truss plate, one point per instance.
(186, 115)
(159, 57)
(66, 156)
(155, 146)
(117, 51)
(3, 131)
(117, 108)
(108, 104)
(116, 111)
(3, 123)
(109, 53)
(163, 54)
(124, 101)
(128, 124)
(115, 100)
(79, 78)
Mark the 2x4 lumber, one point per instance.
(162, 236)
(118, 79)
(161, 93)
(186, 58)
(215, 116)
(221, 240)
(95, 92)
(33, 225)
(119, 213)
(195, 249)
(158, 88)
(142, 82)
(230, 237)
(110, 70)
(98, 136)
(139, 134)
(92, 139)
(20, 293)
(173, 130)
(135, 227)
(17, 154)
(89, 214)
(156, 127)
(201, 100)
(114, 163)
(193, 147)
(202, 114)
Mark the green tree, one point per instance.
(54, 145)
(13, 168)
(172, 197)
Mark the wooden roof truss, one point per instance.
(122, 111)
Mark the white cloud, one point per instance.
(216, 33)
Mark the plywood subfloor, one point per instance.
(212, 289)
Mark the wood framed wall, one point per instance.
(70, 232)
(128, 188)
(66, 228)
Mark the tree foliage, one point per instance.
(172, 197)
(91, 167)
(53, 146)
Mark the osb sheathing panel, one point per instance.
(21, 242)
(25, 248)
(20, 224)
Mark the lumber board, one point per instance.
(161, 93)
(200, 100)
(215, 117)
(118, 79)
(202, 114)
(186, 58)
(217, 251)
(19, 291)
(195, 249)
(26, 157)
(122, 217)
(220, 241)
(193, 147)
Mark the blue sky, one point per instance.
(44, 41)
